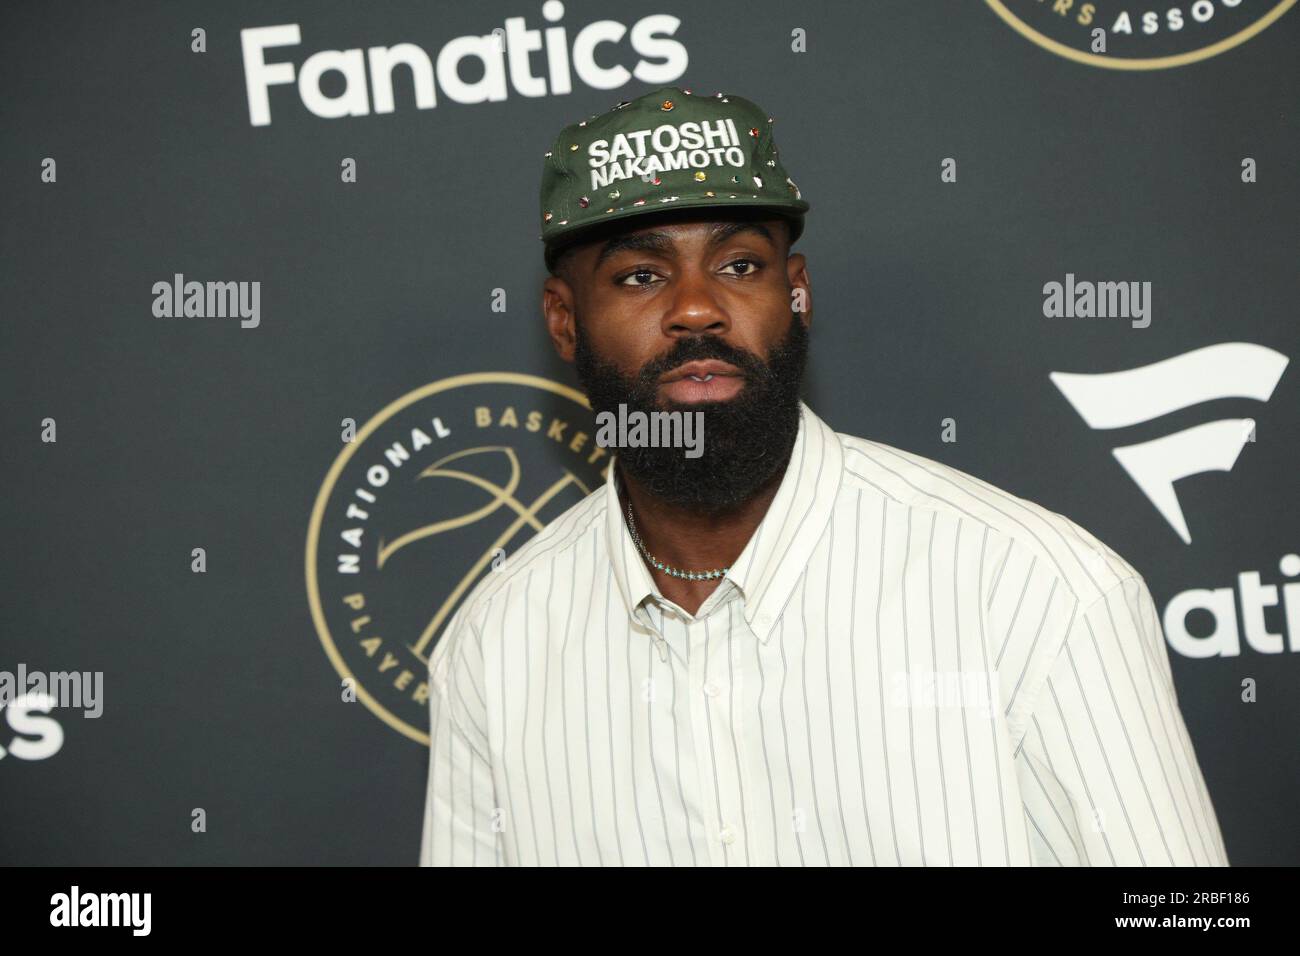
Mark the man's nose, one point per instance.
(694, 311)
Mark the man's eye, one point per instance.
(636, 274)
(744, 262)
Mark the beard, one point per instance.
(747, 439)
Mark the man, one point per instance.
(802, 647)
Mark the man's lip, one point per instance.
(700, 367)
(689, 391)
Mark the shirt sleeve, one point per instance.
(1107, 771)
(461, 823)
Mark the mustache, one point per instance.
(697, 347)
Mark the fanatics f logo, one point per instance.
(1118, 399)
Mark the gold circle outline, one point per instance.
(1150, 63)
(327, 488)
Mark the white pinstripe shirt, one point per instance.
(905, 666)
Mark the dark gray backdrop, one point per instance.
(176, 434)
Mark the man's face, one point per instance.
(691, 315)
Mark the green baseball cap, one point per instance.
(668, 149)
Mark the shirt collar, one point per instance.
(774, 559)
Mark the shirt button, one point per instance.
(727, 835)
(712, 689)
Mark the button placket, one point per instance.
(720, 682)
(739, 638)
(700, 702)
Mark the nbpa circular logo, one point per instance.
(432, 495)
(1135, 34)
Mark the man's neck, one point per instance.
(692, 540)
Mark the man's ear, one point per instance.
(558, 308)
(800, 287)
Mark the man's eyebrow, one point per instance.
(722, 231)
(661, 242)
